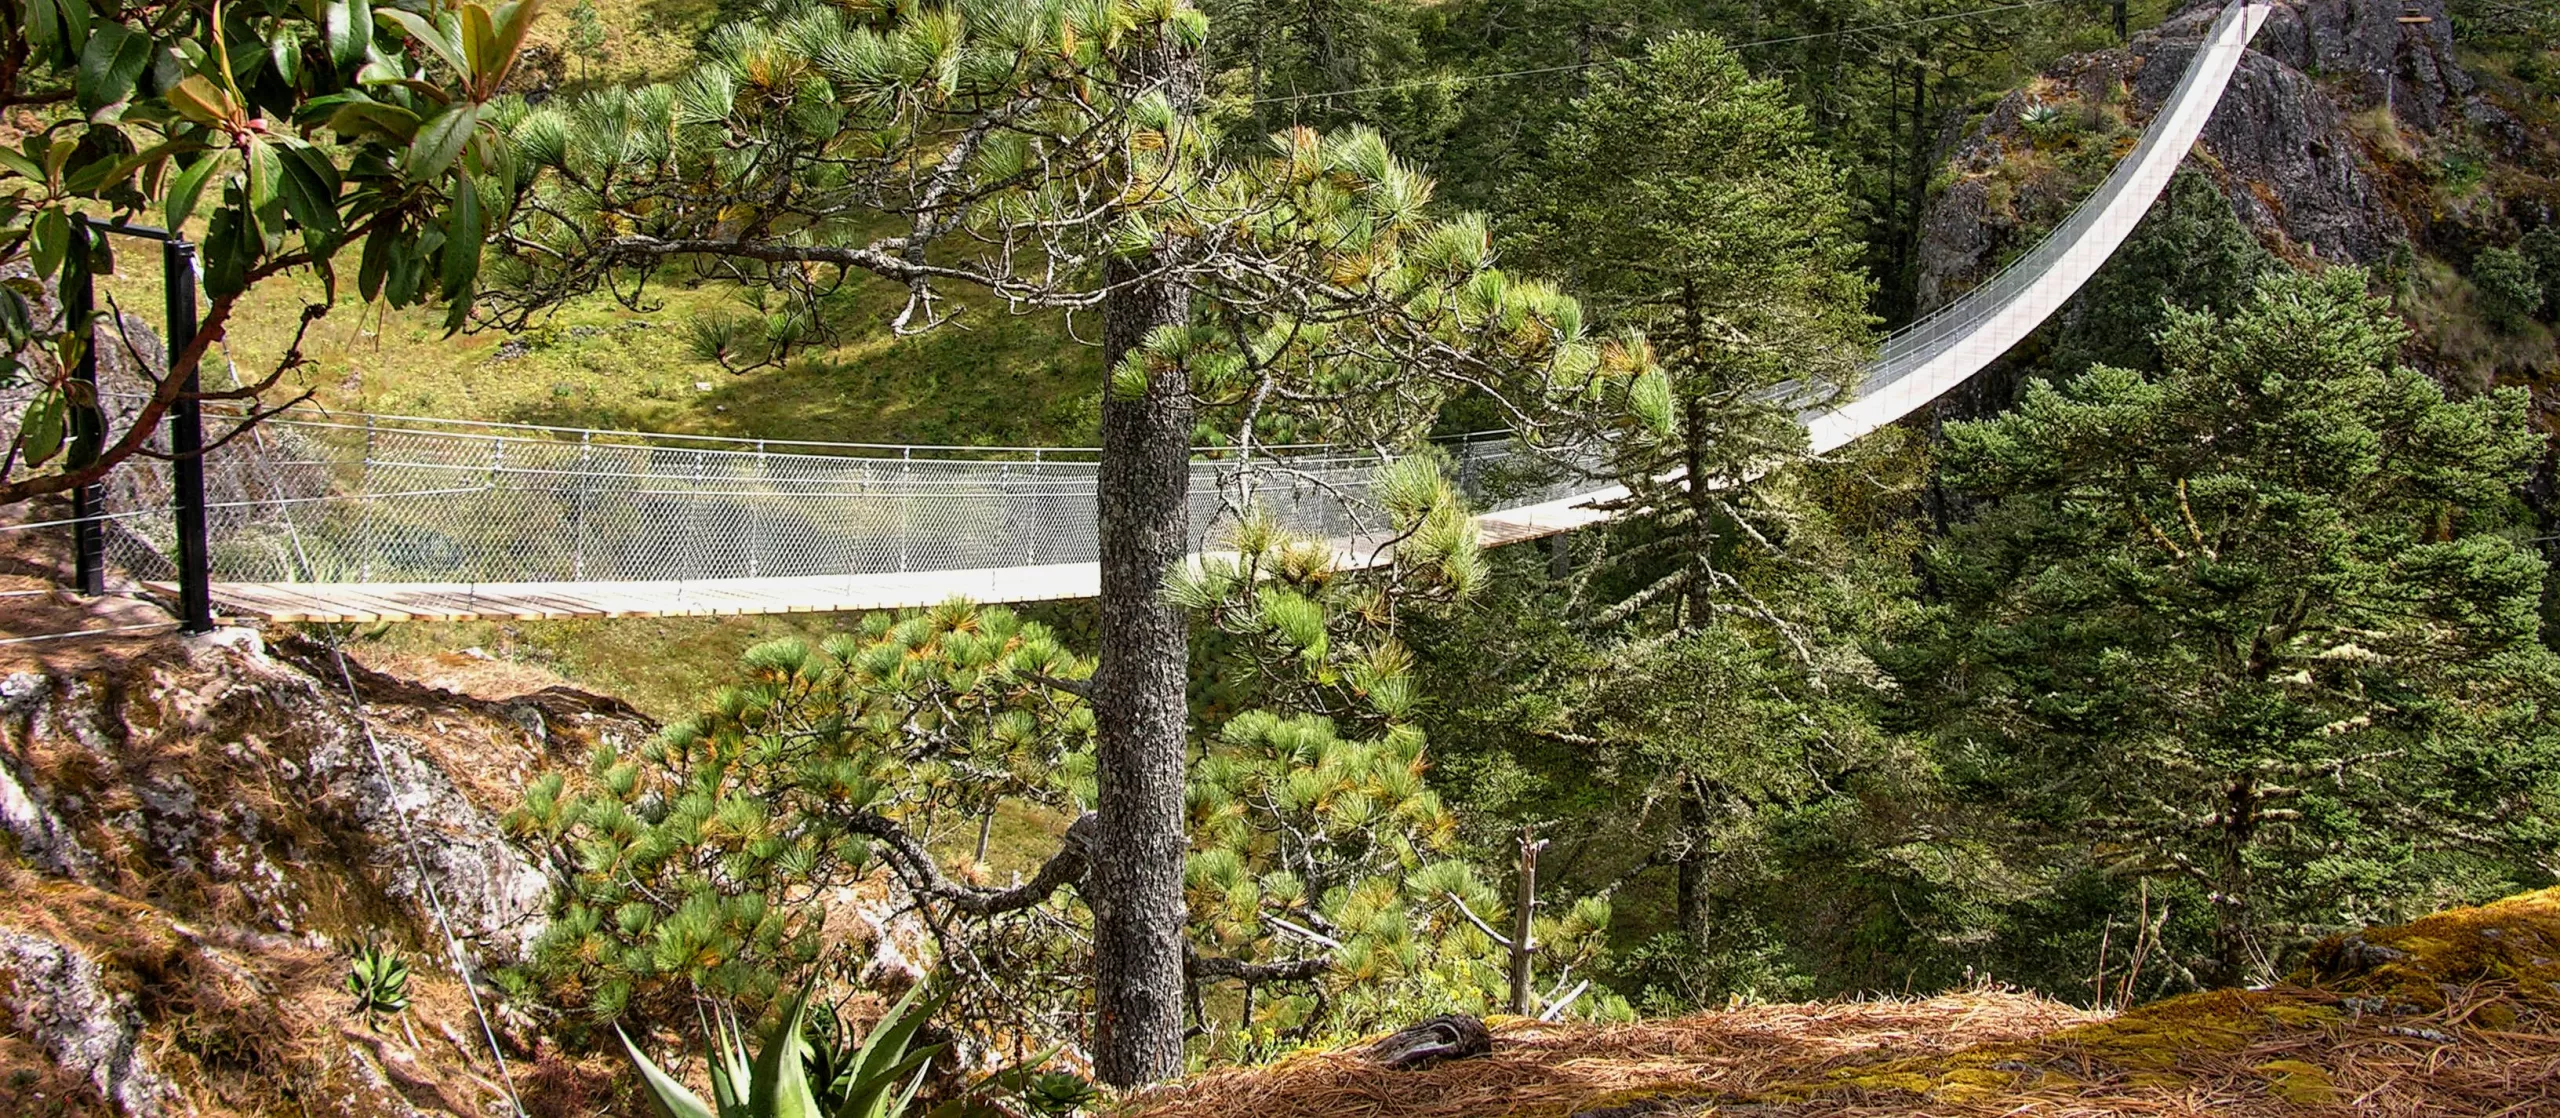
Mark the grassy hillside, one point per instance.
(988, 378)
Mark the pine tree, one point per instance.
(1697, 761)
(1054, 156)
(2262, 628)
(1323, 876)
(2190, 251)
(1682, 198)
(1685, 199)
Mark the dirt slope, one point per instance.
(2454, 1015)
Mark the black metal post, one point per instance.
(86, 417)
(186, 443)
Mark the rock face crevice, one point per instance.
(228, 772)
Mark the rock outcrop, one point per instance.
(200, 827)
(2299, 143)
(55, 997)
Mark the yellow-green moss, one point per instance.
(2298, 1081)
(2513, 944)
(2508, 953)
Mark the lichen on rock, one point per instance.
(55, 996)
(203, 823)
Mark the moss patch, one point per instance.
(2458, 1013)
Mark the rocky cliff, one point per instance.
(2354, 132)
(203, 826)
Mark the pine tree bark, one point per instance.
(2238, 828)
(1140, 703)
(1701, 529)
(1689, 892)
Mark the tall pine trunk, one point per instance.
(1139, 697)
(2237, 831)
(1690, 899)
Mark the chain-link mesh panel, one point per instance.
(329, 502)
(304, 501)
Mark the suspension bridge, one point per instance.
(378, 518)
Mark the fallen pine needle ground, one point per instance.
(2454, 1015)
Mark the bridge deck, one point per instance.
(719, 597)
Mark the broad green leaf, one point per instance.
(359, 119)
(376, 261)
(266, 198)
(59, 27)
(17, 319)
(349, 25)
(888, 1039)
(186, 189)
(229, 248)
(479, 41)
(440, 142)
(284, 51)
(85, 424)
(430, 36)
(58, 155)
(109, 65)
(899, 1104)
(732, 1067)
(513, 21)
(310, 187)
(407, 268)
(780, 1087)
(98, 176)
(220, 36)
(462, 240)
(201, 101)
(40, 430)
(318, 110)
(457, 310)
(50, 242)
(44, 25)
(871, 1096)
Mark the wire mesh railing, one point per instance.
(356, 501)
(377, 499)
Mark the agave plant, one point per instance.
(1058, 1093)
(2045, 120)
(379, 979)
(790, 1078)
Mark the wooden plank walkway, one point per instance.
(550, 601)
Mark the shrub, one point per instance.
(2541, 248)
(2511, 289)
